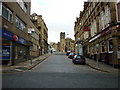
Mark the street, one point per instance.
(58, 71)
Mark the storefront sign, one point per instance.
(15, 38)
(21, 40)
(7, 35)
(10, 36)
(105, 32)
(94, 38)
(86, 28)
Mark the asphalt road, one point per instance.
(58, 71)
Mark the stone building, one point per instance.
(58, 46)
(14, 31)
(34, 37)
(69, 44)
(43, 36)
(62, 42)
(98, 26)
(54, 46)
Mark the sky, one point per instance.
(59, 16)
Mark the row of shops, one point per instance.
(105, 46)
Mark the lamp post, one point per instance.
(80, 47)
(31, 31)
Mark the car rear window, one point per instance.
(71, 53)
(78, 56)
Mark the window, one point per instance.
(118, 10)
(118, 1)
(108, 17)
(0, 8)
(93, 28)
(22, 5)
(103, 46)
(110, 45)
(35, 17)
(103, 19)
(20, 24)
(97, 47)
(7, 14)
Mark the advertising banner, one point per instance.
(5, 53)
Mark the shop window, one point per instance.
(103, 46)
(110, 45)
(7, 14)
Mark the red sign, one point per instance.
(15, 38)
(86, 28)
(106, 32)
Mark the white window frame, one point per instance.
(21, 25)
(22, 5)
(9, 13)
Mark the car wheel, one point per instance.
(74, 62)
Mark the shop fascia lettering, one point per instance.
(10, 36)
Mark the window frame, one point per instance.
(103, 46)
(110, 51)
(20, 24)
(8, 18)
(22, 5)
(118, 2)
(0, 8)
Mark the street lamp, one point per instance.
(31, 31)
(80, 47)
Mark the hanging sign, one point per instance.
(86, 28)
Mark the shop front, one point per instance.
(14, 49)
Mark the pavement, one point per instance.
(101, 66)
(24, 66)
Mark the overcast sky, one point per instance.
(59, 16)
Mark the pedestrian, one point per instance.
(51, 51)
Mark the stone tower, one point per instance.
(62, 42)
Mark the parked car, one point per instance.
(71, 55)
(78, 59)
(68, 52)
